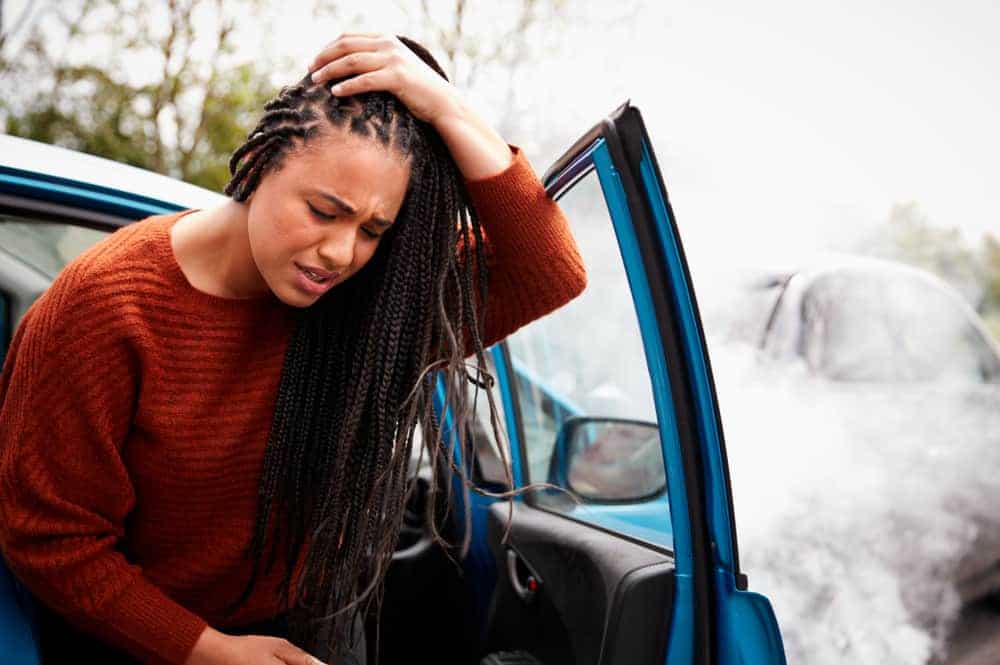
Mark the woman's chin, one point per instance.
(294, 298)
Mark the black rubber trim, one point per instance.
(35, 210)
(550, 179)
(622, 134)
(640, 127)
(124, 209)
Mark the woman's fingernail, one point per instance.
(336, 88)
(314, 76)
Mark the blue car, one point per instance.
(626, 553)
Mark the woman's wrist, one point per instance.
(207, 650)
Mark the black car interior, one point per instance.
(566, 593)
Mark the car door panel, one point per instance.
(599, 596)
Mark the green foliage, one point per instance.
(184, 119)
(111, 128)
(230, 112)
(991, 260)
(939, 250)
(975, 271)
(68, 72)
(991, 296)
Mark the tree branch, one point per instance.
(226, 28)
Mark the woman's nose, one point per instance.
(337, 248)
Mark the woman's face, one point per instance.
(295, 222)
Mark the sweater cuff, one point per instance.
(149, 624)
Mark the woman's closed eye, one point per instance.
(323, 215)
(319, 213)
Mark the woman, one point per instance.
(206, 421)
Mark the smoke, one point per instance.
(858, 506)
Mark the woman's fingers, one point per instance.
(292, 655)
(347, 44)
(380, 79)
(369, 62)
(359, 62)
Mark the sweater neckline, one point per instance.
(187, 290)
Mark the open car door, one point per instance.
(611, 397)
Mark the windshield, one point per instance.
(860, 325)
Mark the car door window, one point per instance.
(42, 248)
(4, 327)
(492, 463)
(587, 416)
(45, 246)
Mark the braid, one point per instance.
(356, 380)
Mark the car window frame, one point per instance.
(636, 276)
(614, 142)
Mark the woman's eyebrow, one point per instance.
(350, 210)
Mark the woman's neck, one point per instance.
(213, 250)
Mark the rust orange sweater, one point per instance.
(134, 413)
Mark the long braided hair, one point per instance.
(356, 380)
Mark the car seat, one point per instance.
(18, 627)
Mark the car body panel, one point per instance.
(53, 175)
(747, 629)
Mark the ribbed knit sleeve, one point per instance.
(534, 263)
(67, 398)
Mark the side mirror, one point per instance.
(609, 460)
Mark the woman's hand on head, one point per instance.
(216, 648)
(374, 61)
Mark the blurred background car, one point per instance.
(856, 318)
(883, 336)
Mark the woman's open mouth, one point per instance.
(313, 281)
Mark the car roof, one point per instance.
(57, 162)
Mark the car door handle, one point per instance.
(523, 580)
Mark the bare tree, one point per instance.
(477, 44)
(11, 30)
(181, 113)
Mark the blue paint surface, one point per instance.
(746, 629)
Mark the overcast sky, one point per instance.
(780, 125)
(790, 123)
(777, 123)
(806, 121)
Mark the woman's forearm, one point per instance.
(478, 150)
